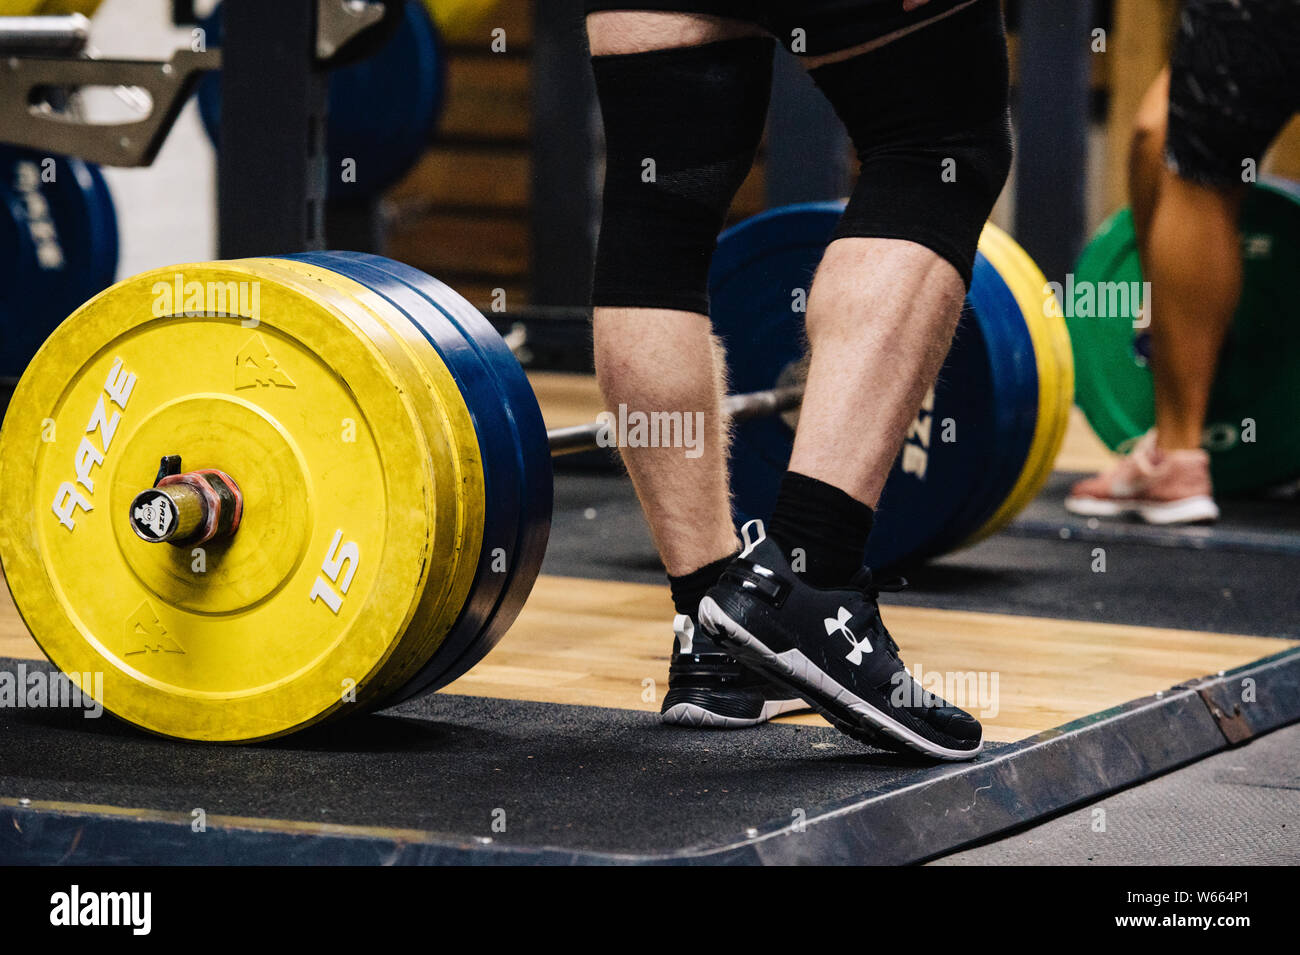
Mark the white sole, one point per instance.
(796, 669)
(1187, 510)
(697, 717)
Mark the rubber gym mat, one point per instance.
(1260, 524)
(487, 781)
(581, 777)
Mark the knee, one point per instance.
(935, 153)
(937, 192)
(1146, 143)
(984, 153)
(682, 126)
(1151, 122)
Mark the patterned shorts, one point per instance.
(1234, 83)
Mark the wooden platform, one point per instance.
(603, 643)
(598, 642)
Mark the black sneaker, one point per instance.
(831, 647)
(708, 688)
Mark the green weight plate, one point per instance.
(1256, 384)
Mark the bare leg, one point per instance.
(1193, 261)
(665, 360)
(661, 360)
(1188, 242)
(881, 316)
(1146, 157)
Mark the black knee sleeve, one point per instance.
(681, 129)
(929, 120)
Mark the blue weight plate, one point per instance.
(492, 426)
(58, 247)
(1015, 374)
(536, 489)
(918, 511)
(758, 264)
(516, 454)
(383, 110)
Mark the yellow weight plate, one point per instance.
(55, 7)
(458, 524)
(1055, 371)
(1053, 408)
(461, 21)
(993, 247)
(1026, 276)
(294, 619)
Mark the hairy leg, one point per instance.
(1193, 262)
(881, 316)
(662, 360)
(656, 359)
(637, 31)
(888, 294)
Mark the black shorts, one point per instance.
(828, 25)
(1234, 82)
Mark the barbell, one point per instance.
(355, 488)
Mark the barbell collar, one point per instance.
(185, 508)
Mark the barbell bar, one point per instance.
(576, 438)
(191, 508)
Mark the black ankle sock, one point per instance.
(689, 589)
(827, 525)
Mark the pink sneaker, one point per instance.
(1161, 487)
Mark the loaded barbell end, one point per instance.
(187, 508)
(173, 513)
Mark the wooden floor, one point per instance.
(605, 643)
(599, 642)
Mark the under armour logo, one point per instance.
(840, 624)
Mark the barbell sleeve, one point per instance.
(44, 35)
